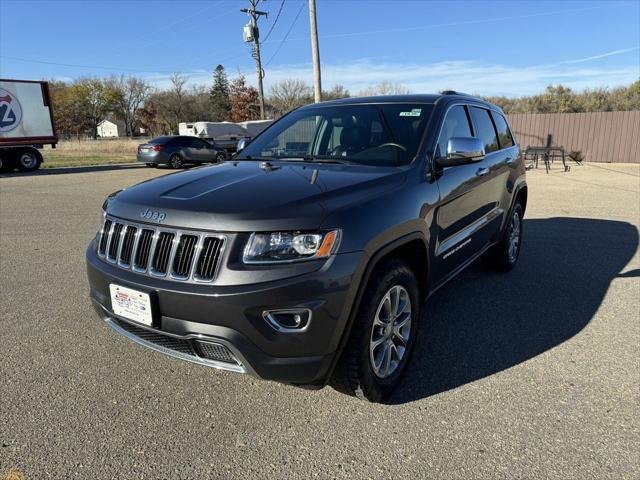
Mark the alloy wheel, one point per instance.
(390, 332)
(514, 237)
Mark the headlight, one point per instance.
(290, 246)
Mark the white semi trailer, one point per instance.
(26, 124)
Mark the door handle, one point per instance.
(482, 172)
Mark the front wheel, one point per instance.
(175, 161)
(504, 256)
(221, 157)
(383, 336)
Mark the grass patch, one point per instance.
(76, 153)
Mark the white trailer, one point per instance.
(224, 134)
(26, 124)
(254, 127)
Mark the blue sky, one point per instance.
(484, 47)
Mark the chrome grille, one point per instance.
(114, 241)
(106, 229)
(144, 248)
(161, 252)
(163, 249)
(208, 261)
(127, 246)
(183, 259)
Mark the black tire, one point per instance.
(354, 374)
(7, 163)
(28, 160)
(501, 257)
(221, 157)
(176, 161)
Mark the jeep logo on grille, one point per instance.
(151, 215)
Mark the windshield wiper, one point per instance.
(256, 157)
(319, 159)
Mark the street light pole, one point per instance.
(315, 52)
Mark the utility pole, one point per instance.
(315, 52)
(251, 34)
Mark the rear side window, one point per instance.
(504, 134)
(456, 124)
(484, 129)
(159, 140)
(197, 143)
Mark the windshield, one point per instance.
(384, 134)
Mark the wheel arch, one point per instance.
(521, 196)
(412, 249)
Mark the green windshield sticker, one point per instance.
(415, 112)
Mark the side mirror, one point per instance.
(241, 144)
(461, 151)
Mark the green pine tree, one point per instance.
(219, 95)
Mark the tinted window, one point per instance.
(504, 135)
(385, 134)
(197, 143)
(179, 142)
(484, 129)
(160, 140)
(456, 124)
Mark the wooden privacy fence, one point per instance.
(600, 136)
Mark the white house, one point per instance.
(111, 128)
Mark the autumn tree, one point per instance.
(219, 95)
(243, 100)
(96, 99)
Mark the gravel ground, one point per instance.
(533, 374)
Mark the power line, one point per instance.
(266, 37)
(285, 37)
(326, 36)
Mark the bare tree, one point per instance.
(133, 93)
(176, 96)
(289, 94)
(385, 88)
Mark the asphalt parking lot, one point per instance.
(533, 374)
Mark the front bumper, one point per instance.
(231, 316)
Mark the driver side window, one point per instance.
(455, 124)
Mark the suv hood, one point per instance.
(243, 196)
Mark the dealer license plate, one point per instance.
(131, 304)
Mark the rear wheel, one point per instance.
(504, 255)
(221, 157)
(176, 161)
(29, 160)
(383, 335)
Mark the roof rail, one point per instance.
(453, 92)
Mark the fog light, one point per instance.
(290, 320)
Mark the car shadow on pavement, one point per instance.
(65, 170)
(483, 322)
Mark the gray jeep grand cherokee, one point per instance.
(305, 259)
